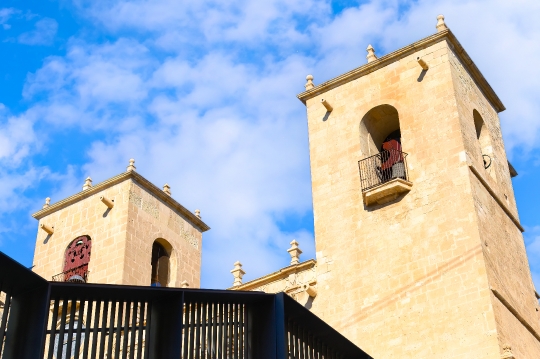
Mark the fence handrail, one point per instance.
(156, 322)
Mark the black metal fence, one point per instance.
(382, 167)
(41, 319)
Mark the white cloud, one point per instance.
(202, 95)
(43, 33)
(5, 15)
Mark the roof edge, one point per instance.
(115, 180)
(275, 275)
(387, 59)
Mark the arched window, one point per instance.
(484, 141)
(380, 143)
(379, 125)
(76, 259)
(161, 253)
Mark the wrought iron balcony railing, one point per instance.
(382, 167)
(74, 275)
(43, 319)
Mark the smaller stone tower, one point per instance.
(124, 230)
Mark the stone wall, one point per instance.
(89, 216)
(501, 240)
(122, 237)
(406, 279)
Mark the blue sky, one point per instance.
(203, 95)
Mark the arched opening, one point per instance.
(380, 143)
(484, 141)
(379, 125)
(161, 254)
(76, 259)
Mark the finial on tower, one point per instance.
(309, 84)
(295, 252)
(167, 189)
(87, 183)
(131, 166)
(441, 26)
(47, 202)
(198, 213)
(237, 273)
(371, 54)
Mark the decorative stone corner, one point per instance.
(295, 252)
(237, 273)
(371, 54)
(441, 26)
(47, 202)
(309, 82)
(167, 189)
(87, 184)
(131, 166)
(184, 284)
(386, 192)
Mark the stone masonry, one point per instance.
(440, 271)
(122, 236)
(439, 268)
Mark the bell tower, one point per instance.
(419, 246)
(124, 230)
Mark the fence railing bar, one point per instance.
(60, 346)
(147, 330)
(125, 334)
(119, 317)
(89, 308)
(191, 329)
(204, 340)
(133, 331)
(53, 329)
(112, 317)
(197, 330)
(185, 330)
(213, 349)
(5, 317)
(70, 324)
(103, 329)
(79, 330)
(241, 331)
(143, 314)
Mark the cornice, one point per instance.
(133, 175)
(403, 52)
(280, 274)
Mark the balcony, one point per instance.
(384, 176)
(74, 275)
(43, 319)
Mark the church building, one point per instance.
(419, 248)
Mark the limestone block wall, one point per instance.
(406, 279)
(501, 240)
(149, 219)
(89, 216)
(122, 237)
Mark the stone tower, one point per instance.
(419, 254)
(124, 230)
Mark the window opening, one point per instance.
(484, 140)
(380, 141)
(76, 259)
(160, 265)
